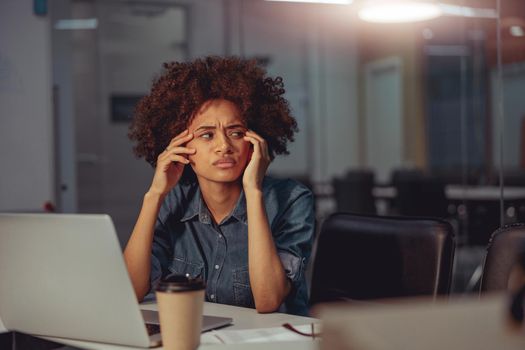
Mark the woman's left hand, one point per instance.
(258, 164)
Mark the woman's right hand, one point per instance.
(170, 164)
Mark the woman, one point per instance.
(211, 128)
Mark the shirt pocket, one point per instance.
(242, 292)
(180, 266)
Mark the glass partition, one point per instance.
(423, 118)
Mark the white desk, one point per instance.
(243, 318)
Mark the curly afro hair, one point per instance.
(182, 88)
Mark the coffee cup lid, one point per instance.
(180, 283)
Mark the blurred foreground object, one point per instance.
(466, 323)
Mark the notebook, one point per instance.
(63, 275)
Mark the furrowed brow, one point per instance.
(205, 127)
(236, 126)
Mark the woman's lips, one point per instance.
(224, 163)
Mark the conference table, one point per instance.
(244, 319)
(461, 192)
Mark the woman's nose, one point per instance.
(223, 143)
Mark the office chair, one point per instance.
(371, 257)
(419, 194)
(502, 252)
(353, 192)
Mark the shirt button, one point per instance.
(212, 296)
(220, 236)
(216, 267)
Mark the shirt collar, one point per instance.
(239, 211)
(196, 206)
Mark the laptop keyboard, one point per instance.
(152, 328)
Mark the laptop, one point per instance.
(63, 275)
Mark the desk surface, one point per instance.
(243, 318)
(411, 324)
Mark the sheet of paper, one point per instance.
(258, 335)
(2, 327)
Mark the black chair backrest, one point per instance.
(353, 192)
(502, 252)
(419, 194)
(370, 257)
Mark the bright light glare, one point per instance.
(338, 2)
(464, 11)
(516, 31)
(405, 11)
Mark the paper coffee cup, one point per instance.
(180, 301)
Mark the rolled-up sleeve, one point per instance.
(295, 232)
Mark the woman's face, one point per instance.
(221, 154)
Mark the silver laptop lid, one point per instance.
(64, 275)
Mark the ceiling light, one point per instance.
(465, 11)
(338, 2)
(516, 31)
(397, 11)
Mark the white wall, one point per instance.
(26, 129)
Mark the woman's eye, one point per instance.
(207, 135)
(237, 134)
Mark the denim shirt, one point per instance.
(188, 242)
